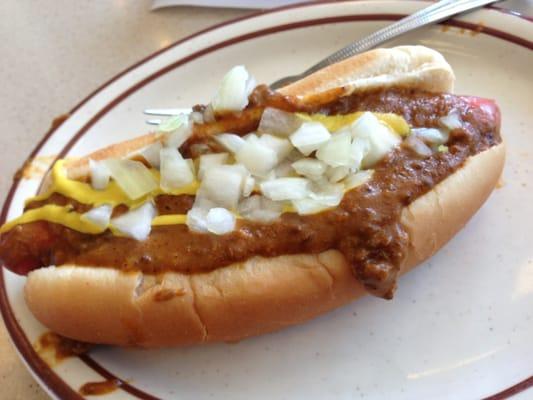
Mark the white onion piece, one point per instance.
(151, 154)
(336, 151)
(278, 122)
(99, 216)
(132, 177)
(282, 147)
(431, 135)
(337, 174)
(452, 120)
(248, 186)
(178, 136)
(197, 215)
(208, 161)
(230, 141)
(310, 167)
(295, 155)
(357, 179)
(233, 92)
(197, 219)
(136, 223)
(175, 171)
(309, 136)
(100, 174)
(251, 83)
(220, 221)
(224, 185)
(284, 170)
(209, 114)
(308, 206)
(173, 123)
(259, 208)
(358, 150)
(285, 188)
(329, 195)
(196, 117)
(418, 146)
(381, 138)
(251, 137)
(256, 157)
(266, 177)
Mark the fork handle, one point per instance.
(429, 15)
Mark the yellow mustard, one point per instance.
(335, 122)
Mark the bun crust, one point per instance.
(416, 67)
(104, 305)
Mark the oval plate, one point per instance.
(459, 326)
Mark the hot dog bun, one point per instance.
(105, 305)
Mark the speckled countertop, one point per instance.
(52, 57)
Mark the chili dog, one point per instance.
(260, 210)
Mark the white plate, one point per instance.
(460, 326)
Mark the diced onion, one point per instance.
(336, 151)
(151, 154)
(178, 136)
(232, 95)
(284, 170)
(309, 136)
(220, 221)
(358, 150)
(209, 114)
(452, 120)
(175, 171)
(224, 185)
(278, 122)
(173, 123)
(248, 186)
(208, 161)
(256, 157)
(197, 215)
(259, 208)
(295, 155)
(100, 174)
(310, 167)
(337, 174)
(197, 219)
(418, 146)
(99, 216)
(264, 178)
(132, 177)
(357, 179)
(308, 206)
(196, 117)
(285, 188)
(136, 223)
(381, 138)
(431, 135)
(442, 149)
(282, 147)
(230, 141)
(329, 195)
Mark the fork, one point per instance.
(434, 13)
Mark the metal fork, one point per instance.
(434, 13)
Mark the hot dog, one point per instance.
(261, 210)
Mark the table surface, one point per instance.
(38, 83)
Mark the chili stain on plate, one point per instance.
(53, 348)
(100, 388)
